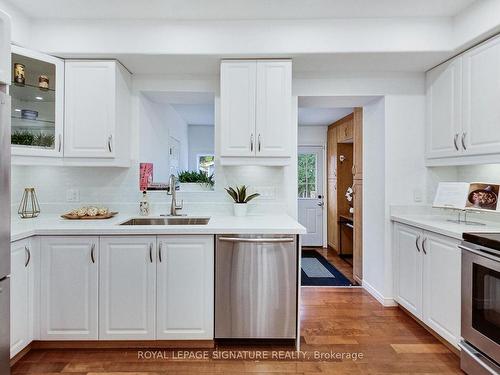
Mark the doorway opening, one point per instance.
(329, 190)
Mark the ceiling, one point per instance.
(195, 108)
(321, 116)
(238, 9)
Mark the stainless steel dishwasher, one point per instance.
(256, 286)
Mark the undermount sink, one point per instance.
(168, 221)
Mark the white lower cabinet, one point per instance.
(185, 287)
(441, 287)
(427, 278)
(69, 288)
(21, 296)
(127, 288)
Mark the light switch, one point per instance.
(417, 195)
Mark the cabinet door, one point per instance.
(357, 260)
(331, 151)
(408, 270)
(127, 281)
(90, 109)
(357, 128)
(333, 227)
(481, 126)
(185, 287)
(274, 108)
(237, 128)
(444, 104)
(442, 272)
(69, 275)
(21, 304)
(39, 133)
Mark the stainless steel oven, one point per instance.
(480, 322)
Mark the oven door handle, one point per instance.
(480, 253)
(478, 358)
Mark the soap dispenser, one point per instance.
(144, 204)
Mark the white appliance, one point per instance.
(5, 72)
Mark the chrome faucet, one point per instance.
(171, 191)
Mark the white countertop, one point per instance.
(440, 224)
(52, 224)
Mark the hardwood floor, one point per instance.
(341, 320)
(332, 257)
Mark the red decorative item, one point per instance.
(145, 175)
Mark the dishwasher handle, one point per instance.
(257, 240)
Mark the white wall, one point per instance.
(201, 141)
(310, 135)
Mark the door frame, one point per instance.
(323, 184)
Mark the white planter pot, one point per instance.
(240, 209)
(194, 187)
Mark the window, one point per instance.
(206, 164)
(307, 165)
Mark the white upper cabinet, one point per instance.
(238, 87)
(69, 288)
(185, 296)
(444, 93)
(481, 121)
(37, 104)
(256, 100)
(127, 288)
(463, 115)
(97, 104)
(274, 108)
(5, 35)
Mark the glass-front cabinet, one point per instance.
(37, 94)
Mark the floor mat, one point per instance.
(317, 271)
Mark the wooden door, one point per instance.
(481, 95)
(274, 108)
(441, 290)
(332, 220)
(69, 288)
(331, 152)
(90, 109)
(408, 268)
(345, 129)
(357, 267)
(238, 100)
(127, 293)
(185, 269)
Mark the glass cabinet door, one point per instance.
(36, 95)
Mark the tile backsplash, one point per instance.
(118, 188)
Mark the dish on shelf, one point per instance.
(483, 198)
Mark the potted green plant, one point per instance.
(196, 181)
(240, 198)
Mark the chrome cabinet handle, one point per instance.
(257, 240)
(110, 138)
(151, 252)
(60, 143)
(159, 251)
(92, 255)
(423, 245)
(464, 134)
(28, 255)
(259, 143)
(416, 243)
(251, 142)
(455, 140)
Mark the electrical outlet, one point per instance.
(417, 195)
(72, 195)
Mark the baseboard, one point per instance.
(123, 344)
(20, 355)
(387, 302)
